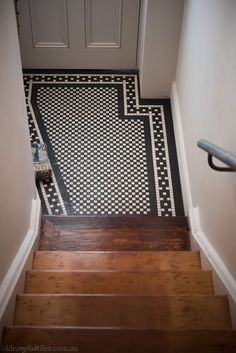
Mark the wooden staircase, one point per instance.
(119, 284)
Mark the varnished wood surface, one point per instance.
(119, 282)
(115, 240)
(126, 261)
(105, 340)
(114, 233)
(124, 311)
(62, 223)
(109, 282)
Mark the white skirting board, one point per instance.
(224, 282)
(13, 282)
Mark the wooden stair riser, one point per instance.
(123, 261)
(116, 282)
(123, 340)
(124, 311)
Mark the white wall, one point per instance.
(204, 106)
(17, 190)
(159, 35)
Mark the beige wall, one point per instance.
(16, 178)
(160, 27)
(205, 87)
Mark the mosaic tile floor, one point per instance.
(111, 153)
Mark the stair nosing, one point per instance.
(100, 328)
(121, 271)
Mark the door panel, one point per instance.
(45, 32)
(97, 35)
(78, 33)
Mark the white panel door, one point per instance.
(78, 33)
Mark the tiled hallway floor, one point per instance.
(111, 152)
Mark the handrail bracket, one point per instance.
(229, 159)
(215, 167)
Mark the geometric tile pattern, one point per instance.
(110, 151)
(102, 158)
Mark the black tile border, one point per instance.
(174, 166)
(80, 71)
(43, 204)
(177, 190)
(53, 160)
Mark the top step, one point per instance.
(114, 233)
(53, 223)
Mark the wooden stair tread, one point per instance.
(114, 240)
(102, 340)
(125, 282)
(123, 311)
(105, 222)
(114, 233)
(128, 260)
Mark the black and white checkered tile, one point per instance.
(111, 152)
